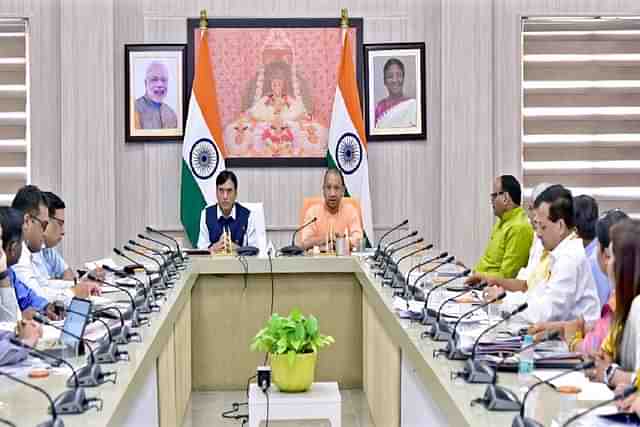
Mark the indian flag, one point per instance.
(203, 148)
(347, 144)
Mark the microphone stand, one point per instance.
(389, 250)
(378, 253)
(384, 273)
(293, 249)
(520, 420)
(120, 333)
(183, 258)
(55, 421)
(149, 305)
(407, 282)
(89, 375)
(163, 278)
(146, 270)
(440, 330)
(427, 319)
(169, 269)
(136, 319)
(178, 262)
(395, 270)
(71, 401)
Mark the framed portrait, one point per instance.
(154, 92)
(276, 79)
(395, 94)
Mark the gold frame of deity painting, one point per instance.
(275, 93)
(155, 92)
(395, 91)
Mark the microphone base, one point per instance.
(440, 331)
(107, 353)
(88, 376)
(248, 251)
(292, 250)
(499, 399)
(453, 353)
(72, 402)
(52, 423)
(479, 373)
(519, 421)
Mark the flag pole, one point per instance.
(203, 20)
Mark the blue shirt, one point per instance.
(601, 279)
(54, 262)
(27, 298)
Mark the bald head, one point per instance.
(333, 189)
(156, 81)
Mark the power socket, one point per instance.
(264, 378)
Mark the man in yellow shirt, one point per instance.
(334, 215)
(508, 248)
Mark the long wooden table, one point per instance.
(200, 341)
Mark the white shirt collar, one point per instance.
(570, 244)
(233, 212)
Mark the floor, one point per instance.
(205, 410)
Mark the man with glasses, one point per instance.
(58, 269)
(508, 248)
(31, 268)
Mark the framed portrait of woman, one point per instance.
(395, 93)
(276, 79)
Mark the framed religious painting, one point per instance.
(395, 93)
(275, 81)
(154, 92)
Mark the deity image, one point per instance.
(276, 118)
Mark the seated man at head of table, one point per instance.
(333, 215)
(566, 289)
(508, 248)
(226, 216)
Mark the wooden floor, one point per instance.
(205, 410)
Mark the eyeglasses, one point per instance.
(494, 195)
(43, 224)
(58, 220)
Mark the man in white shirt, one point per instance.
(226, 216)
(31, 268)
(561, 285)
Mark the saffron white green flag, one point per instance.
(347, 144)
(203, 150)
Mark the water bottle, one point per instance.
(525, 365)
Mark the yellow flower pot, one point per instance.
(295, 377)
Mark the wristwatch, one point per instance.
(4, 274)
(609, 373)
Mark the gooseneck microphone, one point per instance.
(413, 287)
(391, 263)
(150, 296)
(428, 318)
(106, 352)
(423, 263)
(168, 237)
(478, 372)
(89, 375)
(120, 333)
(164, 280)
(165, 260)
(378, 252)
(175, 256)
(626, 392)
(55, 421)
(293, 249)
(136, 319)
(440, 330)
(398, 281)
(71, 401)
(407, 279)
(520, 420)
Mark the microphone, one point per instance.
(499, 398)
(160, 268)
(120, 333)
(427, 318)
(293, 249)
(522, 421)
(168, 237)
(175, 256)
(438, 333)
(149, 304)
(71, 401)
(407, 280)
(392, 265)
(451, 344)
(89, 375)
(165, 268)
(440, 330)
(136, 319)
(146, 270)
(106, 352)
(378, 252)
(389, 256)
(384, 257)
(626, 392)
(154, 251)
(423, 275)
(55, 421)
(478, 372)
(398, 277)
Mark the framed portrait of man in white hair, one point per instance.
(154, 92)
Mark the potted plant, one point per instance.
(292, 343)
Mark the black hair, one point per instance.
(53, 202)
(560, 204)
(11, 222)
(604, 224)
(28, 200)
(390, 62)
(585, 211)
(334, 171)
(225, 176)
(511, 186)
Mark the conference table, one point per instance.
(199, 341)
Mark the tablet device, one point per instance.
(76, 322)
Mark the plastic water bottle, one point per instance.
(525, 365)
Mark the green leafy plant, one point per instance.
(291, 335)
